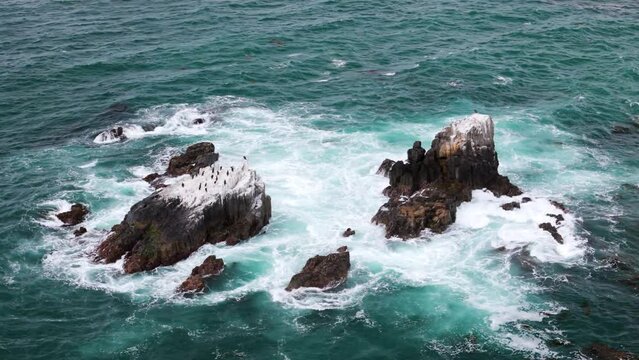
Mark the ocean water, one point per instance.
(316, 94)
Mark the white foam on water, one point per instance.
(338, 63)
(322, 181)
(502, 80)
(57, 206)
(89, 164)
(129, 131)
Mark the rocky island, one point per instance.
(425, 191)
(208, 203)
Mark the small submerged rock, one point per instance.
(559, 205)
(604, 352)
(525, 199)
(197, 281)
(74, 216)
(632, 282)
(510, 206)
(425, 191)
(553, 231)
(558, 218)
(348, 232)
(119, 133)
(324, 272)
(621, 129)
(80, 231)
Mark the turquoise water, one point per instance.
(317, 94)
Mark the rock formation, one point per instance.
(553, 231)
(74, 216)
(197, 281)
(215, 204)
(80, 231)
(348, 232)
(324, 272)
(196, 157)
(511, 206)
(426, 190)
(385, 167)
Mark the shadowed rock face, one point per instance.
(197, 281)
(215, 205)
(194, 158)
(74, 216)
(426, 190)
(323, 272)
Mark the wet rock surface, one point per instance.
(426, 190)
(74, 216)
(511, 206)
(553, 231)
(80, 231)
(196, 157)
(323, 271)
(216, 204)
(348, 232)
(385, 167)
(211, 266)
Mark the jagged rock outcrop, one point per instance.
(385, 167)
(194, 158)
(215, 204)
(197, 281)
(74, 216)
(324, 272)
(426, 190)
(553, 231)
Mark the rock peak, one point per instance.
(476, 130)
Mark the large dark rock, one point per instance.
(196, 157)
(216, 204)
(605, 352)
(74, 216)
(426, 190)
(324, 272)
(197, 281)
